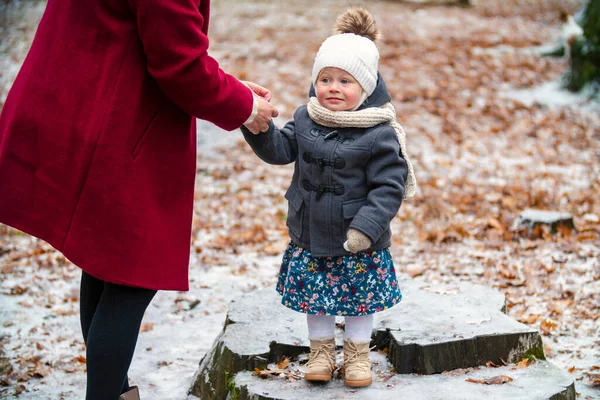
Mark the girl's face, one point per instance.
(337, 90)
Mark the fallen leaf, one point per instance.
(283, 364)
(494, 223)
(457, 372)
(524, 363)
(41, 372)
(547, 326)
(147, 326)
(496, 380)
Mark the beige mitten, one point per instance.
(357, 241)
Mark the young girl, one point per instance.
(351, 174)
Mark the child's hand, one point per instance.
(357, 241)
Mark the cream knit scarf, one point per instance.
(365, 119)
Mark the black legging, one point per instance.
(111, 316)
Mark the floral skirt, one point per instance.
(360, 284)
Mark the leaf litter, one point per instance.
(482, 155)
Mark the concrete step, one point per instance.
(433, 329)
(540, 381)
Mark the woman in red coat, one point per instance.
(98, 152)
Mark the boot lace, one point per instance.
(321, 356)
(358, 359)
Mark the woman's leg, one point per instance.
(111, 339)
(359, 329)
(89, 296)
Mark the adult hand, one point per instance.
(259, 90)
(266, 112)
(357, 241)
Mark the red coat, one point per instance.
(98, 140)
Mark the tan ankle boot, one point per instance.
(321, 362)
(357, 365)
(132, 394)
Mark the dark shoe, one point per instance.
(132, 394)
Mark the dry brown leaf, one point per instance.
(524, 363)
(283, 364)
(547, 326)
(491, 364)
(415, 270)
(584, 237)
(265, 373)
(496, 380)
(494, 223)
(529, 319)
(41, 372)
(147, 326)
(457, 372)
(18, 290)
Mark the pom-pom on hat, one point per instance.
(352, 49)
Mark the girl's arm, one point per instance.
(275, 146)
(386, 175)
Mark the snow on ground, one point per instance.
(487, 139)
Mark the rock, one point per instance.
(530, 219)
(540, 381)
(433, 329)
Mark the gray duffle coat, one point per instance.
(343, 178)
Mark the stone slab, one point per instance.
(530, 218)
(436, 329)
(541, 381)
(433, 329)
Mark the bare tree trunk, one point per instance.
(585, 52)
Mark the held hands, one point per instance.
(357, 241)
(258, 90)
(266, 111)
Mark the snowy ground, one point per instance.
(490, 135)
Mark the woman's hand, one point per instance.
(266, 112)
(357, 241)
(258, 90)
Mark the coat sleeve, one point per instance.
(386, 176)
(275, 146)
(177, 51)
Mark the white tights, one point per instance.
(358, 329)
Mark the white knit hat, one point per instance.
(353, 53)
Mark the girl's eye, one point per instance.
(325, 80)
(345, 81)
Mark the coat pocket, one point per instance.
(349, 210)
(295, 210)
(140, 142)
